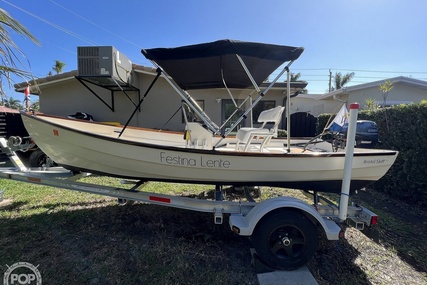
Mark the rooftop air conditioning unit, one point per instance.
(104, 64)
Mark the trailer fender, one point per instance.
(245, 224)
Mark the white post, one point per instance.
(288, 108)
(348, 160)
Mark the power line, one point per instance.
(359, 70)
(69, 32)
(53, 25)
(92, 23)
(383, 71)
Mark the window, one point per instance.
(261, 106)
(228, 108)
(191, 116)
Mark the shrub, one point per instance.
(402, 128)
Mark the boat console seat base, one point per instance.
(245, 135)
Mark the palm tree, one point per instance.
(385, 88)
(35, 106)
(13, 104)
(370, 104)
(59, 65)
(341, 80)
(295, 76)
(9, 51)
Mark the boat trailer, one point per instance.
(283, 229)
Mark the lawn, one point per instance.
(79, 238)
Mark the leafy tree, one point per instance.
(59, 65)
(9, 51)
(295, 76)
(371, 105)
(13, 103)
(385, 88)
(35, 106)
(341, 80)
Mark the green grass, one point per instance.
(79, 238)
(89, 239)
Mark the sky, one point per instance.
(375, 39)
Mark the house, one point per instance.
(67, 93)
(112, 92)
(63, 94)
(405, 90)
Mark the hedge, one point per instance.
(402, 128)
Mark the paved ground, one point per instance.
(269, 276)
(300, 276)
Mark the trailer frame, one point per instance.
(246, 218)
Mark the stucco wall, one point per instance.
(70, 96)
(399, 94)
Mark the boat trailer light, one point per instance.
(235, 229)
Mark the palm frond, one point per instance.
(341, 80)
(10, 53)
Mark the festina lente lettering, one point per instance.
(197, 162)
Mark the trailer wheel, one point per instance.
(285, 240)
(39, 159)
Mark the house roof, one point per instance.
(36, 84)
(283, 85)
(400, 80)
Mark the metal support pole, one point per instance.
(159, 72)
(190, 101)
(348, 161)
(248, 73)
(261, 95)
(288, 108)
(218, 192)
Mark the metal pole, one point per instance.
(140, 101)
(288, 108)
(261, 95)
(189, 100)
(348, 161)
(248, 73)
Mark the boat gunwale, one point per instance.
(38, 117)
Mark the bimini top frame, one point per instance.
(222, 64)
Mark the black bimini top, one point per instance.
(208, 65)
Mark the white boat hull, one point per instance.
(153, 155)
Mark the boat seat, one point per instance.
(245, 135)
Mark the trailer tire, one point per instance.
(39, 159)
(285, 240)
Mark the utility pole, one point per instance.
(330, 80)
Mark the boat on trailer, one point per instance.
(207, 153)
(145, 154)
(283, 230)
